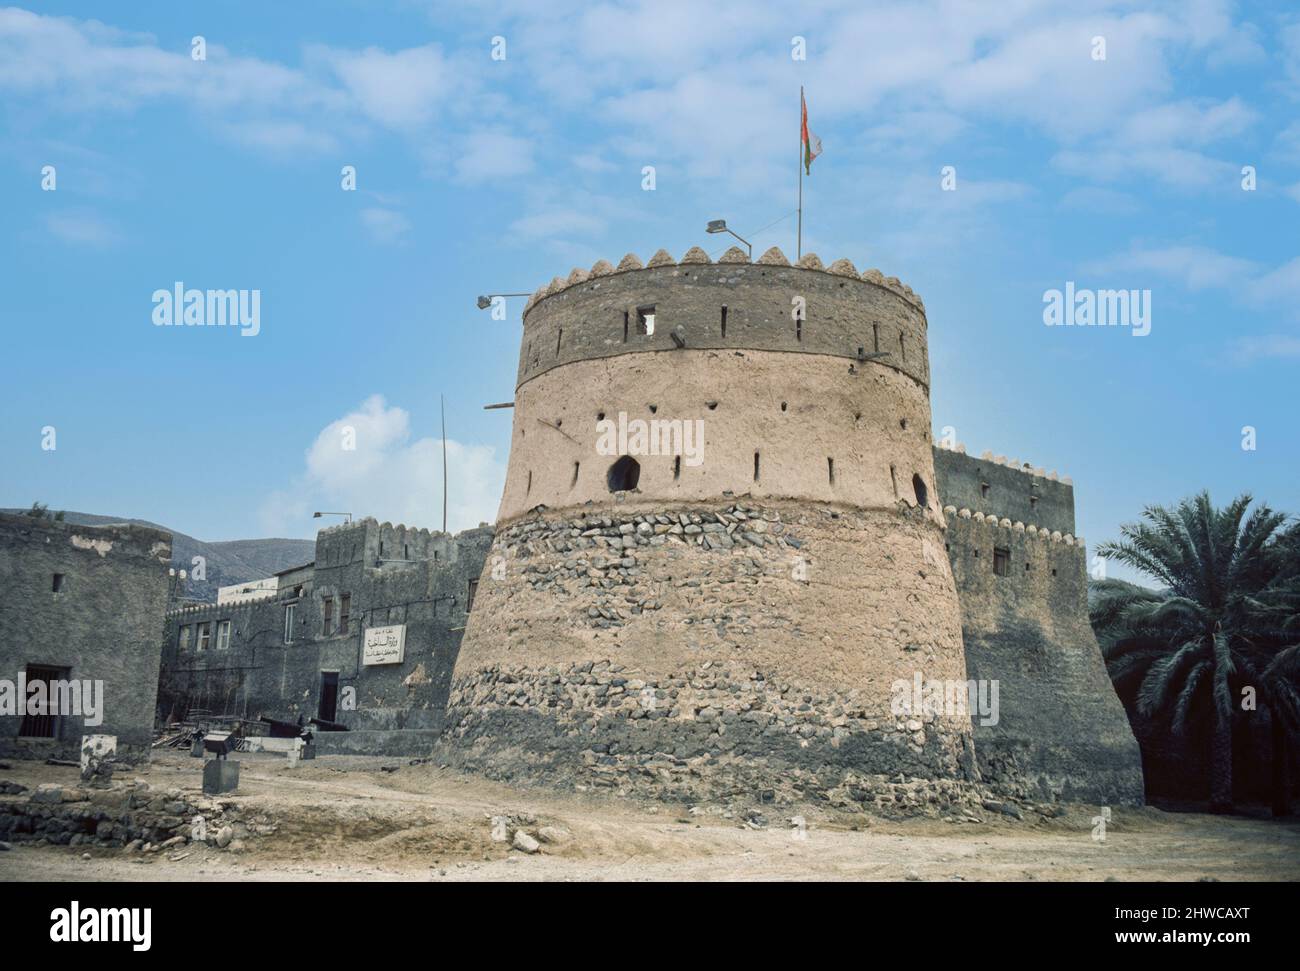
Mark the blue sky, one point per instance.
(477, 175)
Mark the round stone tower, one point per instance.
(719, 553)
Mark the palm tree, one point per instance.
(1186, 651)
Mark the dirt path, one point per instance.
(347, 819)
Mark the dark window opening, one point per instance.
(653, 409)
(1033, 502)
(902, 423)
(575, 474)
(902, 348)
(45, 725)
(677, 466)
(984, 490)
(1002, 562)
(1053, 571)
(470, 594)
(327, 710)
(600, 416)
(798, 328)
(558, 337)
(1026, 567)
(830, 469)
(327, 625)
(406, 551)
(625, 322)
(724, 321)
(345, 608)
(893, 480)
(755, 466)
(56, 584)
(875, 338)
(624, 474)
(918, 487)
(645, 321)
(783, 406)
(529, 488)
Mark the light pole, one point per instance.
(720, 226)
(485, 301)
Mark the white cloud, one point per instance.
(80, 227)
(491, 155)
(389, 475)
(385, 225)
(404, 89)
(1195, 267)
(1247, 350)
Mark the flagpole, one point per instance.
(442, 407)
(799, 239)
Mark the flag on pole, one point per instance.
(812, 145)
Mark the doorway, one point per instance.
(45, 725)
(329, 696)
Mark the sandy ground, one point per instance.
(344, 818)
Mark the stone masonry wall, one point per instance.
(102, 625)
(709, 648)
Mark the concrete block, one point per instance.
(220, 775)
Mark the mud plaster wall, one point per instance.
(865, 423)
(1062, 731)
(104, 623)
(585, 321)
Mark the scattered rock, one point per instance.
(224, 836)
(554, 835)
(525, 842)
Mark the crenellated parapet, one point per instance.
(769, 305)
(993, 485)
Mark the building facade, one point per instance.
(365, 636)
(81, 609)
(742, 615)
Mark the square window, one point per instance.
(56, 585)
(1002, 562)
(645, 321)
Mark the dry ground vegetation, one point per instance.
(354, 818)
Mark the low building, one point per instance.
(80, 615)
(365, 636)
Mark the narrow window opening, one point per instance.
(345, 610)
(830, 469)
(918, 487)
(798, 329)
(56, 585)
(1002, 561)
(1026, 567)
(575, 474)
(1033, 502)
(558, 337)
(624, 474)
(529, 488)
(783, 406)
(893, 480)
(625, 323)
(724, 321)
(470, 593)
(1053, 571)
(902, 347)
(327, 616)
(677, 467)
(755, 466)
(984, 490)
(875, 338)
